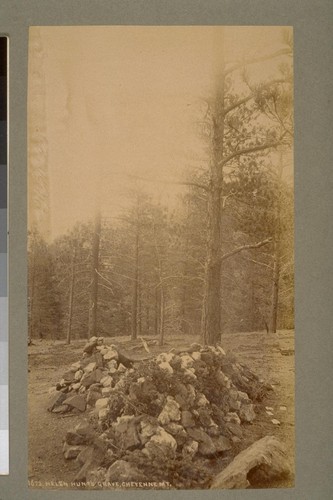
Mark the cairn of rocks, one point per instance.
(188, 405)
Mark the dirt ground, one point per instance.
(271, 356)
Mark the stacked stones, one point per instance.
(88, 382)
(186, 405)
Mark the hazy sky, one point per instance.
(124, 100)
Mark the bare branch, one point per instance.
(278, 53)
(253, 149)
(259, 263)
(250, 96)
(245, 247)
(159, 181)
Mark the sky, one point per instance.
(122, 101)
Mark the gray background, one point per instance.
(312, 21)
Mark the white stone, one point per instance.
(160, 442)
(170, 412)
(75, 366)
(275, 421)
(189, 373)
(103, 413)
(190, 448)
(196, 355)
(106, 381)
(186, 361)
(222, 351)
(106, 391)
(111, 354)
(101, 403)
(78, 375)
(164, 357)
(243, 397)
(202, 400)
(90, 367)
(121, 368)
(233, 418)
(165, 366)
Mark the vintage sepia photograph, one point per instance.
(161, 257)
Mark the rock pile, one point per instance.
(155, 418)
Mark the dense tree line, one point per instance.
(221, 260)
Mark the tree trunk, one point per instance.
(135, 286)
(94, 286)
(275, 288)
(32, 289)
(71, 297)
(277, 254)
(157, 310)
(161, 322)
(211, 321)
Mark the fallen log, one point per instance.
(263, 461)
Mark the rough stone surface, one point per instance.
(126, 432)
(147, 428)
(170, 412)
(161, 443)
(76, 401)
(71, 452)
(56, 400)
(206, 444)
(190, 449)
(123, 471)
(101, 403)
(247, 413)
(265, 460)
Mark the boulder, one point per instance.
(61, 409)
(160, 444)
(88, 379)
(233, 418)
(190, 449)
(147, 428)
(90, 367)
(106, 391)
(187, 419)
(84, 429)
(73, 438)
(264, 461)
(90, 346)
(71, 452)
(102, 403)
(235, 429)
(76, 401)
(166, 367)
(186, 361)
(56, 400)
(69, 376)
(178, 432)
(206, 444)
(221, 444)
(103, 414)
(92, 397)
(110, 354)
(126, 432)
(247, 413)
(106, 381)
(123, 471)
(170, 412)
(91, 457)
